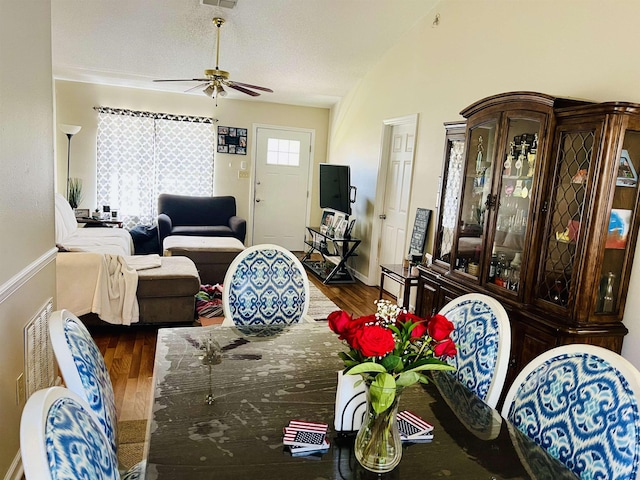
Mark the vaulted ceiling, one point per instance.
(310, 52)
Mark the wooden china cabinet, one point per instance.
(539, 209)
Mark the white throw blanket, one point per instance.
(100, 283)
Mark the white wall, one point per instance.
(27, 269)
(75, 102)
(584, 49)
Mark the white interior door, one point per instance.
(396, 199)
(281, 185)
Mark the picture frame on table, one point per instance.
(627, 176)
(82, 212)
(327, 222)
(341, 228)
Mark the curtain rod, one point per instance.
(161, 116)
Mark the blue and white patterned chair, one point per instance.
(83, 369)
(61, 439)
(265, 285)
(580, 403)
(483, 337)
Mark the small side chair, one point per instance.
(83, 369)
(580, 403)
(61, 439)
(483, 337)
(265, 285)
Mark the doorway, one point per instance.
(394, 182)
(281, 185)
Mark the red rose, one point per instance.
(419, 330)
(338, 322)
(404, 317)
(373, 341)
(439, 327)
(445, 348)
(354, 327)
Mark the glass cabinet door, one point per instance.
(450, 198)
(620, 220)
(477, 190)
(571, 181)
(514, 202)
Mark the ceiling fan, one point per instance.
(215, 79)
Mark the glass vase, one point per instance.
(378, 447)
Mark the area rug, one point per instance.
(131, 436)
(320, 306)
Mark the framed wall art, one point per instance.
(232, 140)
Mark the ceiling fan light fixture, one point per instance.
(210, 90)
(221, 91)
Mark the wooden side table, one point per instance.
(403, 276)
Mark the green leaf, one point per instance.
(366, 367)
(407, 378)
(423, 379)
(392, 363)
(422, 368)
(382, 392)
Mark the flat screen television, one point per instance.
(335, 187)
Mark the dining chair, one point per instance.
(483, 337)
(83, 369)
(580, 403)
(61, 439)
(265, 285)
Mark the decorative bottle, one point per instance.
(607, 297)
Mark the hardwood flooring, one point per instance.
(129, 351)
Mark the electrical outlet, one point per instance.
(243, 174)
(20, 390)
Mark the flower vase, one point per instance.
(378, 446)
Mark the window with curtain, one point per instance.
(143, 154)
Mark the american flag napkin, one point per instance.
(413, 428)
(305, 437)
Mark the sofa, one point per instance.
(199, 216)
(71, 237)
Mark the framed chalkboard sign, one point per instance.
(419, 235)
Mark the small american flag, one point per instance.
(412, 426)
(303, 437)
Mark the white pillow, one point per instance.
(65, 220)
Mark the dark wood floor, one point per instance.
(129, 351)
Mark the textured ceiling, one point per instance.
(310, 52)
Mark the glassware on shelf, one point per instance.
(607, 299)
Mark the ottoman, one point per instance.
(212, 255)
(167, 294)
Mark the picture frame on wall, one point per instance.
(232, 140)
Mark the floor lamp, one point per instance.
(69, 131)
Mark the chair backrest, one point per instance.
(483, 337)
(265, 285)
(580, 403)
(83, 369)
(60, 438)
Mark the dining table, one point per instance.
(222, 396)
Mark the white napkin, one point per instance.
(351, 403)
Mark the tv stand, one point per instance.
(334, 253)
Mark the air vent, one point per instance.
(219, 3)
(38, 353)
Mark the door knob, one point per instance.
(382, 217)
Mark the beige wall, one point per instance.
(75, 102)
(27, 270)
(583, 49)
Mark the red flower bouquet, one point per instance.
(393, 348)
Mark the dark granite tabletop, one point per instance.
(219, 413)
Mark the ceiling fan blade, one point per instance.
(200, 85)
(255, 87)
(185, 80)
(242, 89)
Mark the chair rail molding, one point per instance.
(19, 279)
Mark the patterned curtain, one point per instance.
(143, 154)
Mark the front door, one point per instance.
(281, 186)
(396, 198)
